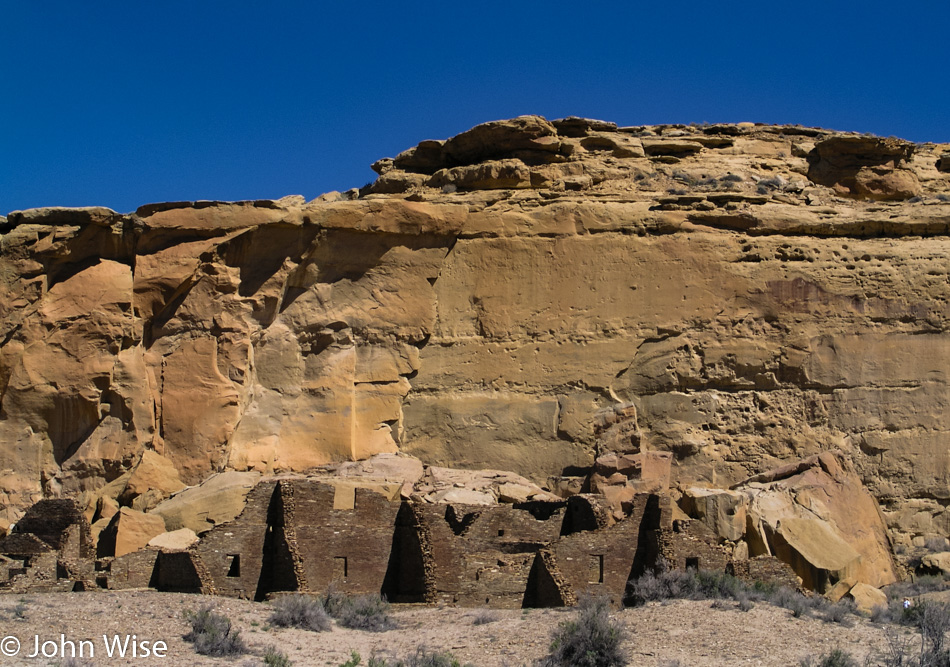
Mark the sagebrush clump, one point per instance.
(692, 584)
(421, 658)
(836, 658)
(301, 611)
(591, 639)
(362, 612)
(212, 634)
(695, 584)
(485, 616)
(276, 658)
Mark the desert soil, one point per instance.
(690, 632)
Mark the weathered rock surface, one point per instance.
(737, 295)
(867, 598)
(817, 516)
(938, 563)
(217, 500)
(176, 540)
(128, 531)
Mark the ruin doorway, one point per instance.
(406, 579)
(648, 550)
(278, 568)
(542, 589)
(175, 572)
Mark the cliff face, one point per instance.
(522, 296)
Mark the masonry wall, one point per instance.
(349, 547)
(409, 573)
(764, 568)
(181, 572)
(302, 534)
(691, 544)
(234, 552)
(483, 555)
(601, 562)
(132, 570)
(61, 524)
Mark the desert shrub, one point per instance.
(790, 599)
(212, 634)
(936, 544)
(713, 584)
(894, 612)
(831, 612)
(485, 616)
(421, 658)
(353, 661)
(300, 611)
(767, 185)
(363, 612)
(591, 639)
(762, 590)
(920, 585)
(334, 600)
(276, 658)
(933, 620)
(662, 585)
(840, 612)
(880, 614)
(898, 651)
(836, 658)
(691, 585)
(70, 661)
(425, 658)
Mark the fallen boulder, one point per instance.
(867, 598)
(128, 531)
(217, 500)
(176, 540)
(817, 516)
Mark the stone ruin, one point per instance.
(692, 307)
(431, 535)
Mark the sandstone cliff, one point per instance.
(524, 296)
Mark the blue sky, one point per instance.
(125, 103)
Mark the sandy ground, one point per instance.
(692, 633)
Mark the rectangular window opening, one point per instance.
(596, 569)
(339, 568)
(234, 565)
(692, 563)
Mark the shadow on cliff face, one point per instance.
(864, 167)
(337, 255)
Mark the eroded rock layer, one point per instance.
(526, 296)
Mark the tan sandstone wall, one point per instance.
(757, 293)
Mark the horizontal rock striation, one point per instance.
(742, 295)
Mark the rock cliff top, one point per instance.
(524, 296)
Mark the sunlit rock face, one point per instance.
(749, 294)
